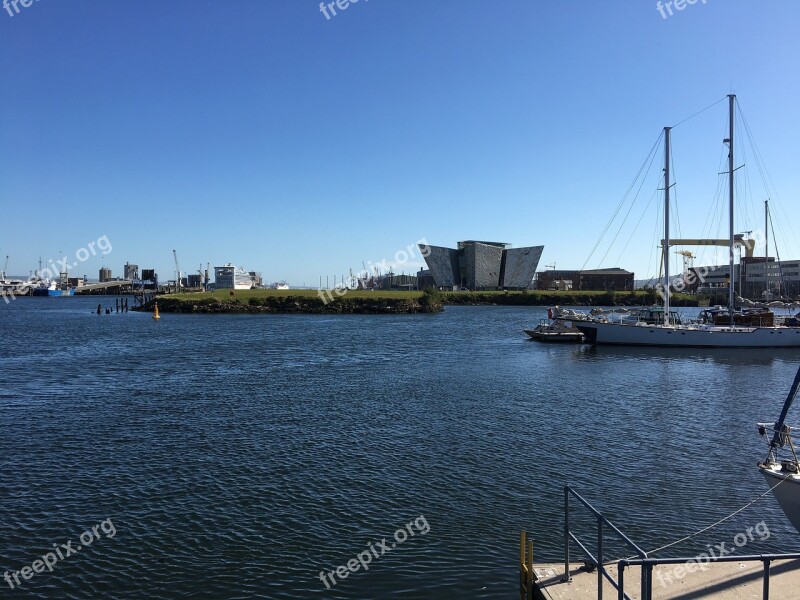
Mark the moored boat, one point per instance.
(728, 328)
(782, 469)
(557, 331)
(53, 289)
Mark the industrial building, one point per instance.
(391, 281)
(131, 271)
(757, 278)
(600, 280)
(476, 265)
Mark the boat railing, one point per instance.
(596, 559)
(785, 437)
(648, 564)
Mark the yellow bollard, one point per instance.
(156, 316)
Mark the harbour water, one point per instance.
(239, 456)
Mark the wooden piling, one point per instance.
(527, 577)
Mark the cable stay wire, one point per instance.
(674, 206)
(644, 212)
(777, 257)
(653, 245)
(627, 214)
(766, 178)
(623, 200)
(710, 106)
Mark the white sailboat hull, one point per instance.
(690, 337)
(787, 493)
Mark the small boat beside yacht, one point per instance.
(781, 468)
(556, 331)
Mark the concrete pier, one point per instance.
(719, 581)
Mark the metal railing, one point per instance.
(647, 565)
(597, 561)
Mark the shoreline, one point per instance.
(383, 302)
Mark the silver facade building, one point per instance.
(482, 265)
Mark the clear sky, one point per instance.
(262, 133)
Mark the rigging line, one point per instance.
(708, 226)
(653, 245)
(701, 111)
(784, 237)
(622, 202)
(777, 256)
(762, 167)
(749, 187)
(704, 529)
(627, 214)
(715, 209)
(742, 206)
(675, 204)
(766, 177)
(656, 237)
(644, 212)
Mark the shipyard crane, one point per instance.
(178, 271)
(688, 257)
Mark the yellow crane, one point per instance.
(738, 240)
(688, 257)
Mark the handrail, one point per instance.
(647, 565)
(597, 561)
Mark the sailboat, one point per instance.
(783, 475)
(670, 332)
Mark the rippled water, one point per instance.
(238, 456)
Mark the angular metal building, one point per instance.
(478, 265)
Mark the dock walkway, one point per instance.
(719, 581)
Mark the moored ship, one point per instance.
(229, 276)
(52, 289)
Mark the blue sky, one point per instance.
(264, 134)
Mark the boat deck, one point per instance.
(720, 581)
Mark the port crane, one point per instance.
(178, 271)
(203, 281)
(688, 259)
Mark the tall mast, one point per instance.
(731, 102)
(666, 222)
(766, 249)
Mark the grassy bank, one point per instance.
(297, 301)
(378, 302)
